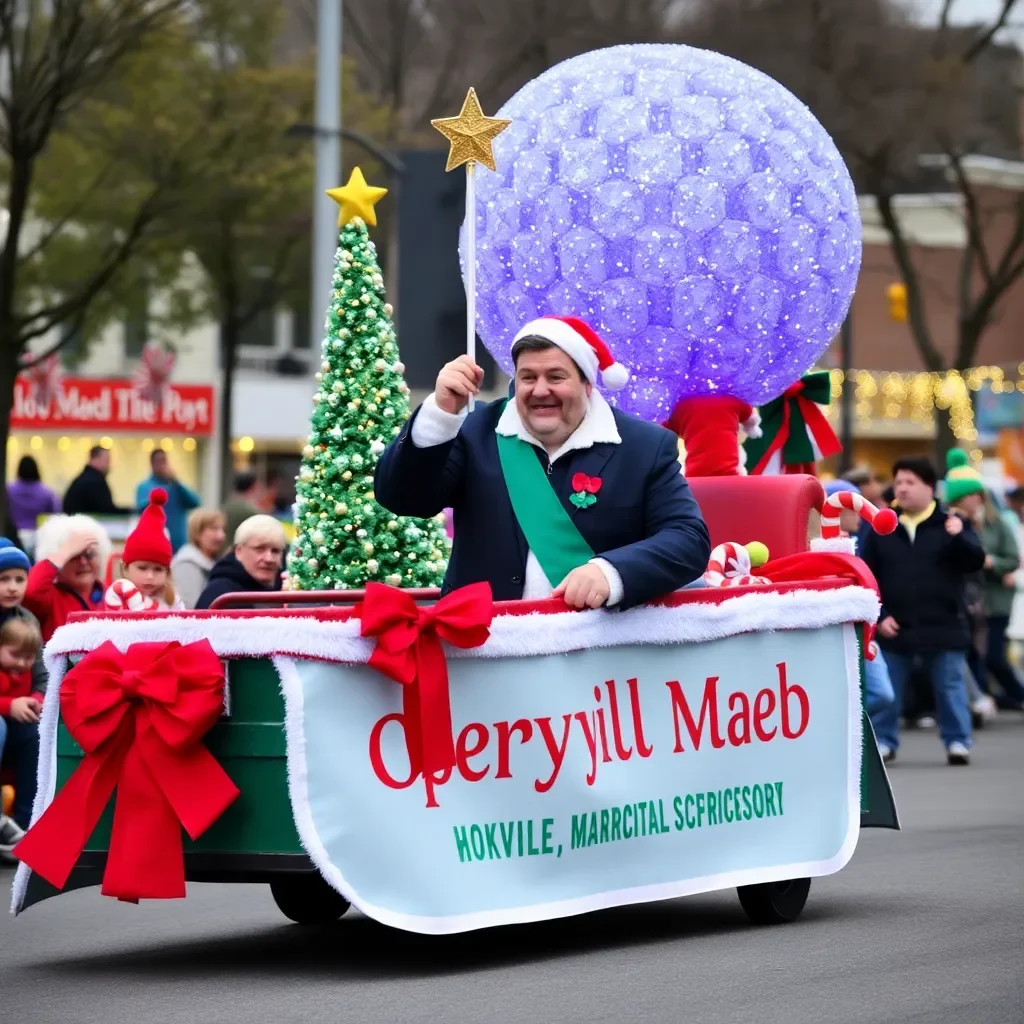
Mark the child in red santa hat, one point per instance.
(146, 584)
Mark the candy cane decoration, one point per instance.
(882, 520)
(154, 372)
(124, 594)
(730, 566)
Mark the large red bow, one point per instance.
(140, 717)
(409, 651)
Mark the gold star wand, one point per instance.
(471, 136)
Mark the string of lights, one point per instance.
(917, 396)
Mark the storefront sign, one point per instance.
(94, 405)
(586, 780)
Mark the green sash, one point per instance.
(550, 532)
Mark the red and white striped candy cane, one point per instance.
(124, 594)
(882, 520)
(729, 566)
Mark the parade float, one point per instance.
(451, 763)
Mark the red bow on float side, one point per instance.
(409, 652)
(140, 717)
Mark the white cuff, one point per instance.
(434, 426)
(611, 574)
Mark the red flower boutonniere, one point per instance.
(585, 490)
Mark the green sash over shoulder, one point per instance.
(550, 532)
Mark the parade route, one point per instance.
(923, 927)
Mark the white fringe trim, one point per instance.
(305, 822)
(841, 545)
(512, 636)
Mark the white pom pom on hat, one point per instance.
(578, 340)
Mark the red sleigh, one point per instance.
(261, 837)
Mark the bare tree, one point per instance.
(50, 66)
(418, 57)
(892, 92)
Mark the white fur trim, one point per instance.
(615, 377)
(616, 588)
(567, 338)
(434, 426)
(842, 545)
(281, 637)
(298, 791)
(598, 427)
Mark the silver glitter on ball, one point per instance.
(687, 206)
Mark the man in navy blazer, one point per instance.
(624, 510)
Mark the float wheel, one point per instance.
(774, 902)
(307, 899)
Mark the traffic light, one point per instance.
(897, 295)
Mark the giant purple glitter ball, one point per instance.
(688, 207)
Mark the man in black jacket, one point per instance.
(921, 570)
(252, 565)
(89, 493)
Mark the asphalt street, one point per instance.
(923, 927)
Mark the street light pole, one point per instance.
(391, 162)
(846, 401)
(328, 161)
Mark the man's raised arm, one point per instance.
(420, 472)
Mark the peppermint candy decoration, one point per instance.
(730, 566)
(45, 380)
(154, 373)
(124, 595)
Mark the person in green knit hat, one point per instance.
(967, 495)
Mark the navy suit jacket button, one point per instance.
(517, 579)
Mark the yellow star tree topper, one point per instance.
(470, 134)
(357, 199)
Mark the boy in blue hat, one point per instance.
(19, 730)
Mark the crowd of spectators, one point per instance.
(179, 555)
(950, 581)
(949, 577)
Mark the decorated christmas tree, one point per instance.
(344, 538)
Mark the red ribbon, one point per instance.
(140, 717)
(589, 484)
(817, 423)
(409, 651)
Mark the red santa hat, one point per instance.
(149, 542)
(580, 342)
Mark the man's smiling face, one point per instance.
(551, 394)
